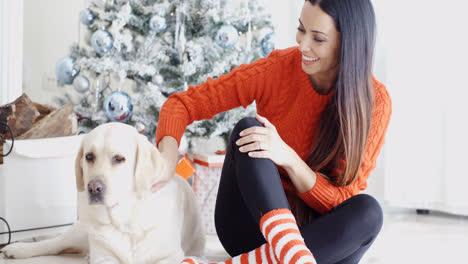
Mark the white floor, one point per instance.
(410, 238)
(405, 238)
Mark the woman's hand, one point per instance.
(168, 149)
(265, 142)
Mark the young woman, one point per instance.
(289, 189)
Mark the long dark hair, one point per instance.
(345, 124)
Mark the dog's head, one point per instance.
(115, 162)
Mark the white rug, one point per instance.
(214, 252)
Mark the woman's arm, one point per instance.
(240, 87)
(169, 150)
(321, 195)
(301, 175)
(258, 81)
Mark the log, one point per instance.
(5, 114)
(20, 115)
(43, 110)
(60, 123)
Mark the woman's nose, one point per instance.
(304, 46)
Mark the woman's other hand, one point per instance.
(265, 142)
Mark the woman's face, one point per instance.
(319, 41)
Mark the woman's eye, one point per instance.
(118, 159)
(319, 40)
(300, 29)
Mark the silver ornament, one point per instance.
(227, 36)
(102, 41)
(87, 17)
(268, 43)
(118, 107)
(81, 84)
(157, 23)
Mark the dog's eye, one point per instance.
(118, 159)
(90, 157)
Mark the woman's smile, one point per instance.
(309, 60)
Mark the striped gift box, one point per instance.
(207, 174)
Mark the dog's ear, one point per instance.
(79, 170)
(148, 165)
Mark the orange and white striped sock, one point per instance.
(281, 231)
(261, 255)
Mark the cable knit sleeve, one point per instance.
(324, 196)
(238, 88)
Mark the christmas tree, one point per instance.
(139, 52)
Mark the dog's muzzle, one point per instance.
(96, 190)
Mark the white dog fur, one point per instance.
(131, 225)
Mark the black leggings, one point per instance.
(250, 187)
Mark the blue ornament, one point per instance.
(65, 70)
(87, 17)
(158, 24)
(227, 36)
(102, 41)
(118, 107)
(268, 43)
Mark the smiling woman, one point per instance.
(297, 168)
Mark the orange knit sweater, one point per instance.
(284, 95)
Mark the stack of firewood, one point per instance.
(30, 120)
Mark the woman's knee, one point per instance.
(370, 212)
(243, 124)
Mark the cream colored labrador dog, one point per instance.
(120, 219)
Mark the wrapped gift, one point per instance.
(207, 174)
(214, 160)
(185, 167)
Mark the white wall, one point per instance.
(426, 69)
(50, 27)
(285, 16)
(376, 180)
(11, 49)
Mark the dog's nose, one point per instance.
(96, 187)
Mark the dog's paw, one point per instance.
(17, 250)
